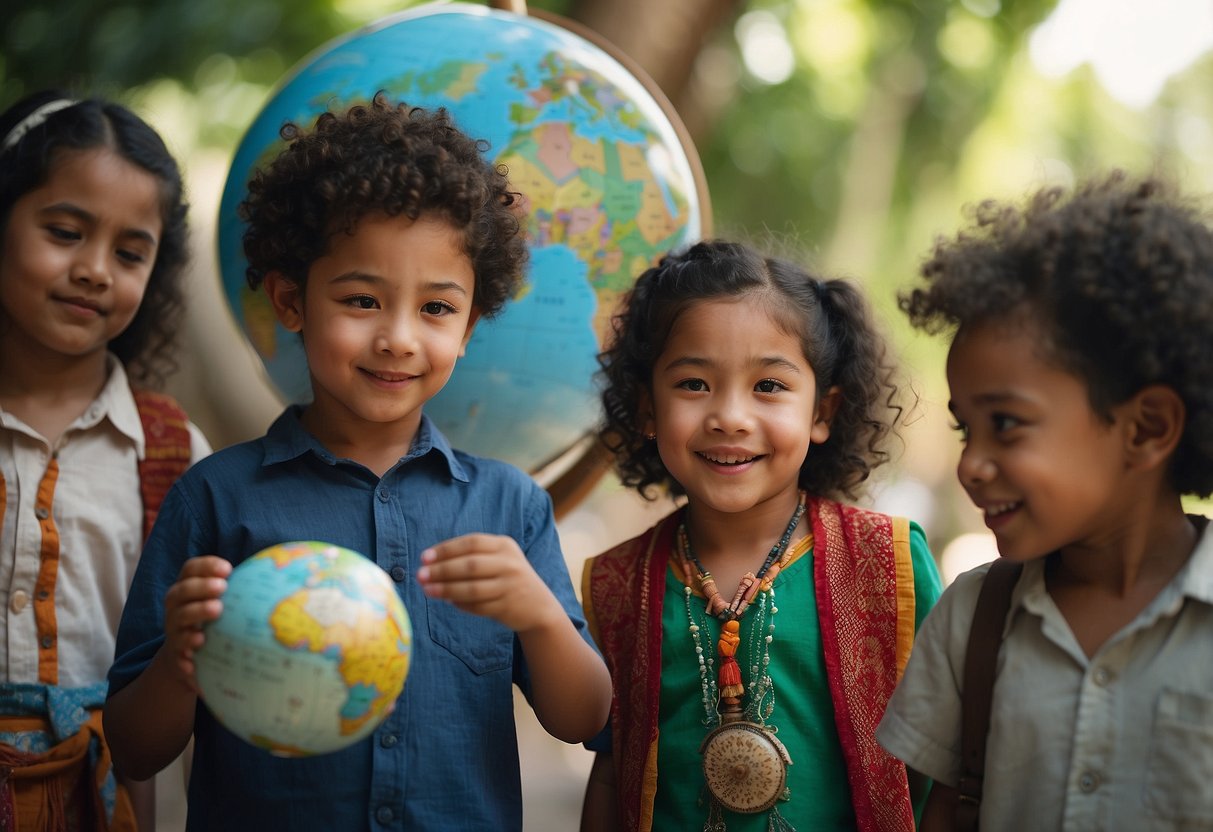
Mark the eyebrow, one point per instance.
(996, 398)
(87, 216)
(771, 361)
(356, 276)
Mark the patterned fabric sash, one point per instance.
(856, 573)
(166, 450)
(55, 768)
(622, 592)
(865, 597)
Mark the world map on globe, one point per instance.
(606, 178)
(310, 652)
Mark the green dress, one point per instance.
(803, 713)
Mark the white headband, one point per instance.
(34, 119)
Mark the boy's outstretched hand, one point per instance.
(487, 574)
(192, 602)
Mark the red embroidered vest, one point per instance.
(864, 585)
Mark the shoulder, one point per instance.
(634, 548)
(486, 472)
(228, 467)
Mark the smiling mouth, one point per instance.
(999, 509)
(391, 378)
(730, 459)
(83, 303)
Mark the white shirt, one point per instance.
(1123, 740)
(98, 510)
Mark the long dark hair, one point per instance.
(146, 346)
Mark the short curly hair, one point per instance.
(385, 158)
(147, 347)
(1116, 275)
(837, 334)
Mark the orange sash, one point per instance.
(865, 601)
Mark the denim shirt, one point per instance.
(447, 756)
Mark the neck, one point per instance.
(729, 541)
(1153, 541)
(49, 391)
(378, 446)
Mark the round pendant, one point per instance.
(745, 766)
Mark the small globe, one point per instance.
(310, 652)
(609, 179)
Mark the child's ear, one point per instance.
(644, 414)
(1155, 419)
(286, 298)
(827, 406)
(467, 335)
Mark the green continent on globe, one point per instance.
(585, 188)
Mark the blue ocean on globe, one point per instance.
(605, 174)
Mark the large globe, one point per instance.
(606, 173)
(310, 652)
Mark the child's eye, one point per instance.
(962, 429)
(134, 257)
(695, 385)
(438, 307)
(361, 302)
(1003, 423)
(770, 385)
(60, 232)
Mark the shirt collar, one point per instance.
(287, 439)
(116, 403)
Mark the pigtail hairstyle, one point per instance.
(837, 336)
(852, 355)
(389, 158)
(146, 347)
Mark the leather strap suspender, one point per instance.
(981, 654)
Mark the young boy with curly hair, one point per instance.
(381, 236)
(1082, 386)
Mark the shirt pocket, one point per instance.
(1180, 762)
(482, 644)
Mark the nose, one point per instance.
(91, 265)
(976, 467)
(397, 335)
(730, 413)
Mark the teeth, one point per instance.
(1000, 508)
(730, 459)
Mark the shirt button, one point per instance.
(384, 814)
(18, 601)
(383, 495)
(398, 574)
(41, 513)
(1101, 677)
(388, 740)
(47, 642)
(1089, 781)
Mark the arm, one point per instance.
(149, 721)
(599, 812)
(143, 800)
(939, 814)
(489, 575)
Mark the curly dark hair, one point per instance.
(837, 333)
(389, 158)
(147, 346)
(1117, 277)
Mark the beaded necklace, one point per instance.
(744, 764)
